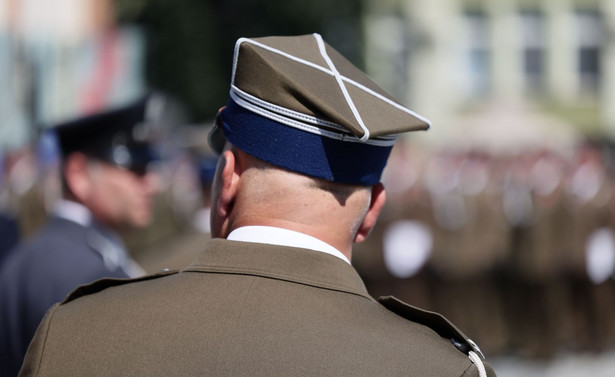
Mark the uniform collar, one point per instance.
(100, 238)
(73, 211)
(292, 264)
(283, 237)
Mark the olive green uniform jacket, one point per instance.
(244, 309)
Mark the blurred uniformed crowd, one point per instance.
(517, 250)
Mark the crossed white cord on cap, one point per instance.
(338, 78)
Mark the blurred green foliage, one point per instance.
(190, 42)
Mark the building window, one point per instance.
(533, 47)
(590, 38)
(476, 42)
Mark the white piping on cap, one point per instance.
(268, 113)
(284, 111)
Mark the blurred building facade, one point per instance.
(449, 59)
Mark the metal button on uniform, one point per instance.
(476, 349)
(461, 346)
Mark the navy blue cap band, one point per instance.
(300, 151)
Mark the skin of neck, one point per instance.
(247, 191)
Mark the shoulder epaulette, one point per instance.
(99, 285)
(434, 321)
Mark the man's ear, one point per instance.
(77, 176)
(375, 206)
(230, 181)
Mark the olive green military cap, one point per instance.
(297, 103)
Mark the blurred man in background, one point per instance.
(106, 187)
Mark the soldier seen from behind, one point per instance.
(303, 141)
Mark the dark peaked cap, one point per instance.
(299, 104)
(122, 136)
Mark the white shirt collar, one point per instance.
(73, 211)
(283, 237)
